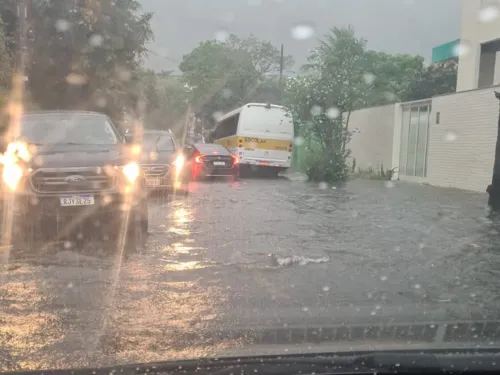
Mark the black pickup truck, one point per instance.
(67, 176)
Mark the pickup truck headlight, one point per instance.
(178, 163)
(131, 171)
(11, 175)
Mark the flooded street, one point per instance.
(254, 254)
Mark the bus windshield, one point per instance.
(259, 119)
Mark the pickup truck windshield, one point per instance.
(54, 129)
(158, 143)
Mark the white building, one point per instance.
(479, 61)
(447, 140)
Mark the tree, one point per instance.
(390, 77)
(225, 75)
(334, 85)
(166, 101)
(5, 62)
(437, 79)
(85, 54)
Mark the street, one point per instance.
(254, 253)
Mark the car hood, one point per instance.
(67, 156)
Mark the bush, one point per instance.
(325, 167)
(371, 174)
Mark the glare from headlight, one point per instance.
(12, 174)
(131, 171)
(179, 162)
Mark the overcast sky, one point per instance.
(395, 26)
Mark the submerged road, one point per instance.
(254, 254)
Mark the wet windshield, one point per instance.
(231, 178)
(155, 142)
(47, 129)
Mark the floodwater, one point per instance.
(254, 254)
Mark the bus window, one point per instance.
(227, 127)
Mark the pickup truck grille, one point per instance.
(71, 180)
(155, 170)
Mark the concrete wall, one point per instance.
(461, 147)
(372, 141)
(474, 31)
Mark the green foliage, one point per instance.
(372, 174)
(437, 79)
(224, 75)
(390, 77)
(165, 101)
(85, 55)
(320, 166)
(5, 61)
(334, 85)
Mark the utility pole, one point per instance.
(494, 189)
(281, 72)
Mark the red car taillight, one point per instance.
(236, 160)
(199, 159)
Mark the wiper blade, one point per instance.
(454, 361)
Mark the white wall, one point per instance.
(473, 33)
(461, 147)
(371, 144)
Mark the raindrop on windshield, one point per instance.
(305, 308)
(217, 115)
(323, 185)
(488, 13)
(302, 31)
(299, 141)
(96, 40)
(368, 78)
(316, 110)
(417, 286)
(101, 102)
(67, 245)
(332, 113)
(450, 136)
(76, 79)
(70, 285)
(123, 74)
(383, 278)
(62, 25)
(389, 184)
(221, 36)
(227, 93)
(326, 288)
(461, 49)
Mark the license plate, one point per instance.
(219, 163)
(77, 200)
(153, 182)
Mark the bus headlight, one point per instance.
(131, 171)
(11, 175)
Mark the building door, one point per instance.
(414, 137)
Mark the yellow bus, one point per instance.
(260, 134)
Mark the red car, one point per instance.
(210, 160)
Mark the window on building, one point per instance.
(488, 71)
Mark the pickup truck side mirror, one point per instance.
(129, 138)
